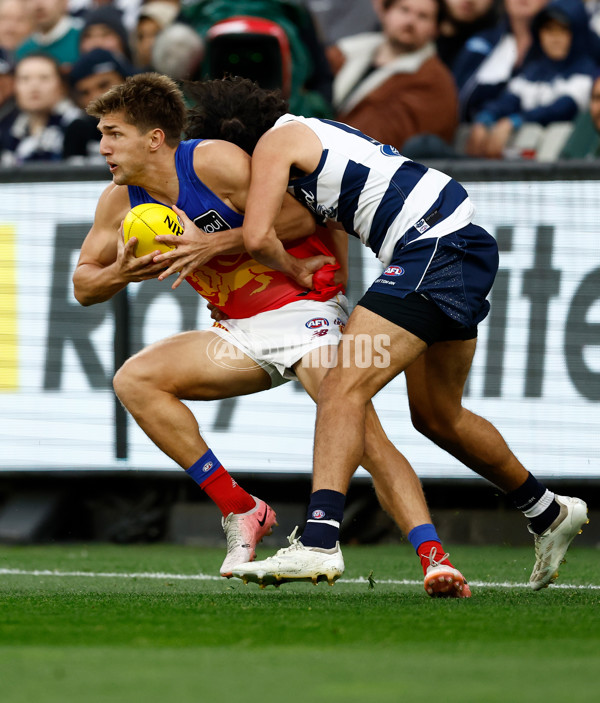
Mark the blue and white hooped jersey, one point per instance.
(376, 193)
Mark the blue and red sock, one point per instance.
(426, 542)
(220, 486)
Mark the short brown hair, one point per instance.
(147, 101)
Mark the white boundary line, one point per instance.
(209, 577)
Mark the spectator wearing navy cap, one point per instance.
(92, 75)
(103, 28)
(95, 72)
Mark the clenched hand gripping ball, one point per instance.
(147, 220)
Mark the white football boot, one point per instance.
(243, 532)
(551, 546)
(294, 563)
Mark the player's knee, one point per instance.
(436, 424)
(336, 389)
(121, 383)
(426, 423)
(128, 381)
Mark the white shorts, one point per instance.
(277, 339)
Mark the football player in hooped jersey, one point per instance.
(207, 181)
(428, 302)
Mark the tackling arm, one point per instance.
(271, 165)
(225, 169)
(276, 152)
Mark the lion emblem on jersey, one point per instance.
(228, 274)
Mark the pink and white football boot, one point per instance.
(243, 532)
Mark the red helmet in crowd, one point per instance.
(251, 47)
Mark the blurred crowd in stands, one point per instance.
(486, 79)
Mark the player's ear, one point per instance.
(157, 138)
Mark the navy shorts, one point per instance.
(418, 315)
(456, 272)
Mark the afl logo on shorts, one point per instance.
(317, 322)
(207, 467)
(394, 271)
(318, 514)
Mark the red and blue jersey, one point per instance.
(235, 283)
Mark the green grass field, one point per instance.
(141, 623)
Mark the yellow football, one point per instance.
(147, 220)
